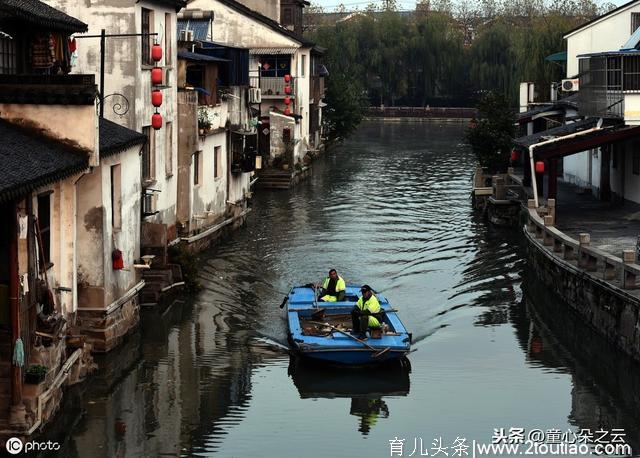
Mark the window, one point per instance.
(275, 66)
(303, 65)
(44, 223)
(147, 27)
(217, 165)
(635, 21)
(148, 154)
(116, 197)
(168, 35)
(168, 149)
(7, 56)
(197, 168)
(287, 17)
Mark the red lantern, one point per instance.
(287, 78)
(117, 259)
(156, 76)
(287, 90)
(514, 155)
(156, 52)
(287, 100)
(156, 98)
(156, 121)
(539, 167)
(287, 111)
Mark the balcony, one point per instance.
(273, 87)
(48, 89)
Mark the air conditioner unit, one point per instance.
(255, 95)
(569, 85)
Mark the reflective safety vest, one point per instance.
(340, 286)
(373, 306)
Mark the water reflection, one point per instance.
(390, 208)
(605, 391)
(366, 388)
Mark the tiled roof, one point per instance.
(39, 13)
(115, 138)
(30, 160)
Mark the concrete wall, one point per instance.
(576, 169)
(236, 29)
(606, 34)
(204, 204)
(63, 273)
(209, 197)
(269, 8)
(126, 74)
(73, 124)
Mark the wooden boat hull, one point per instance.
(335, 344)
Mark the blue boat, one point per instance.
(321, 330)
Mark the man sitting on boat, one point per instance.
(366, 313)
(333, 288)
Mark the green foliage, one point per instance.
(444, 52)
(345, 107)
(37, 370)
(491, 134)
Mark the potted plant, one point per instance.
(204, 120)
(35, 374)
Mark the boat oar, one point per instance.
(284, 301)
(377, 353)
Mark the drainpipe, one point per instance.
(548, 142)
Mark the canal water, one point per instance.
(391, 208)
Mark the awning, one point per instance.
(539, 112)
(568, 144)
(560, 131)
(557, 57)
(266, 51)
(195, 57)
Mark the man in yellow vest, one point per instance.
(365, 314)
(333, 288)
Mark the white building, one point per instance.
(275, 51)
(604, 56)
(217, 143)
(127, 94)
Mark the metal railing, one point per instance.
(273, 87)
(602, 85)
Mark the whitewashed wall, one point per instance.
(606, 34)
(125, 74)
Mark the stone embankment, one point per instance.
(421, 113)
(600, 287)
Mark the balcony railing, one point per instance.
(48, 89)
(603, 83)
(273, 87)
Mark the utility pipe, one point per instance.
(548, 142)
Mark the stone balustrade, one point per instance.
(611, 268)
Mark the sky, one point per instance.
(405, 4)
